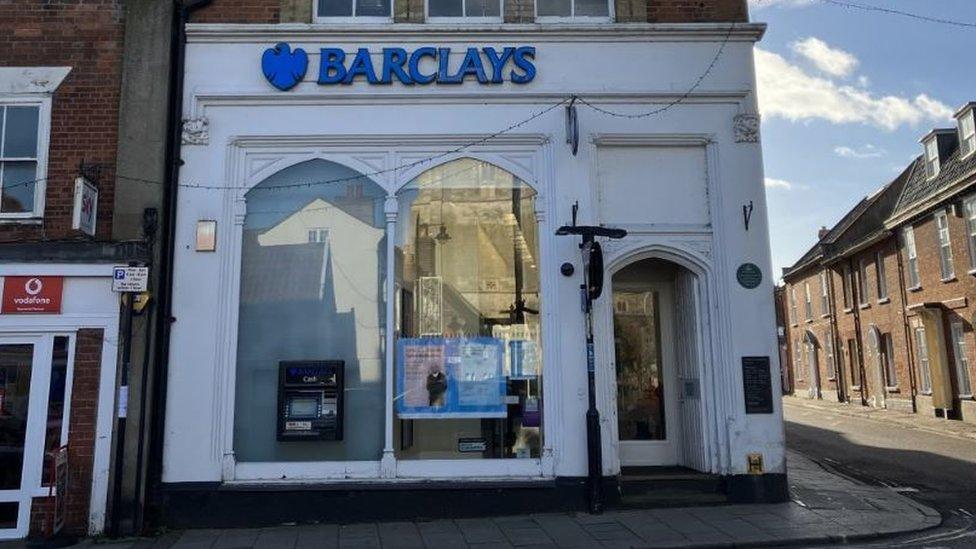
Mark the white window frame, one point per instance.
(944, 241)
(500, 18)
(848, 288)
(911, 253)
(855, 364)
(798, 352)
(808, 302)
(888, 354)
(967, 139)
(964, 385)
(881, 278)
(351, 19)
(924, 367)
(824, 297)
(863, 288)
(969, 213)
(932, 163)
(794, 314)
(829, 356)
(572, 17)
(43, 102)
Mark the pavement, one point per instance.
(826, 508)
(923, 461)
(920, 422)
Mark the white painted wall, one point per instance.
(256, 130)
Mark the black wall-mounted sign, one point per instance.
(749, 275)
(757, 384)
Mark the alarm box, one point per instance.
(310, 400)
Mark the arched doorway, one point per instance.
(657, 362)
(811, 348)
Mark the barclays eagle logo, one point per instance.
(283, 67)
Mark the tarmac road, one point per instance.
(936, 469)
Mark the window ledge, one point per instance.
(894, 389)
(915, 288)
(809, 321)
(864, 306)
(966, 397)
(825, 315)
(832, 378)
(971, 271)
(884, 300)
(926, 393)
(21, 220)
(848, 309)
(949, 279)
(855, 387)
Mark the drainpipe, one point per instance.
(181, 14)
(909, 354)
(834, 335)
(856, 308)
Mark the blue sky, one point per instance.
(845, 96)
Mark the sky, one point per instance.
(845, 95)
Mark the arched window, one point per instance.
(313, 263)
(469, 357)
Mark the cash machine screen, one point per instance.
(310, 400)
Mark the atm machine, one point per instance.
(310, 400)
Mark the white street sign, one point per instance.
(130, 279)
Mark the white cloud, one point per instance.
(773, 183)
(867, 151)
(789, 3)
(788, 91)
(833, 61)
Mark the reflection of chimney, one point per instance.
(822, 233)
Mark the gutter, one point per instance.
(181, 14)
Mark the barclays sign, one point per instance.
(285, 68)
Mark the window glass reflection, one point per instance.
(312, 264)
(469, 356)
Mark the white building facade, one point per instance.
(404, 233)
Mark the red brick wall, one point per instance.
(81, 436)
(655, 11)
(87, 36)
(958, 293)
(819, 324)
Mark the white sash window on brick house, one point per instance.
(824, 299)
(829, 355)
(960, 350)
(969, 211)
(882, 280)
(863, 288)
(908, 243)
(793, 313)
(945, 246)
(922, 350)
(808, 303)
(21, 169)
(967, 134)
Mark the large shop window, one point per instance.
(353, 8)
(468, 352)
(312, 270)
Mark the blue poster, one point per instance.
(450, 378)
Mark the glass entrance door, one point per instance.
(23, 399)
(647, 424)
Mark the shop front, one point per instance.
(370, 298)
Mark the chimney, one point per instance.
(822, 233)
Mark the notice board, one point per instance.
(757, 385)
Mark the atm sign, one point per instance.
(32, 294)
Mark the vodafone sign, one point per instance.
(31, 294)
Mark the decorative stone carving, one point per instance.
(196, 131)
(746, 128)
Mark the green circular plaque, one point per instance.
(749, 275)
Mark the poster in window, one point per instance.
(450, 378)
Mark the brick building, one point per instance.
(61, 86)
(899, 268)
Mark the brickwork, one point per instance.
(810, 372)
(956, 294)
(88, 37)
(515, 11)
(81, 436)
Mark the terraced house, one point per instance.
(898, 272)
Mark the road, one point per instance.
(936, 469)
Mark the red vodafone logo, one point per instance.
(32, 294)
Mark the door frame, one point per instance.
(33, 458)
(665, 452)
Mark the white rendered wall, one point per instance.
(255, 130)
